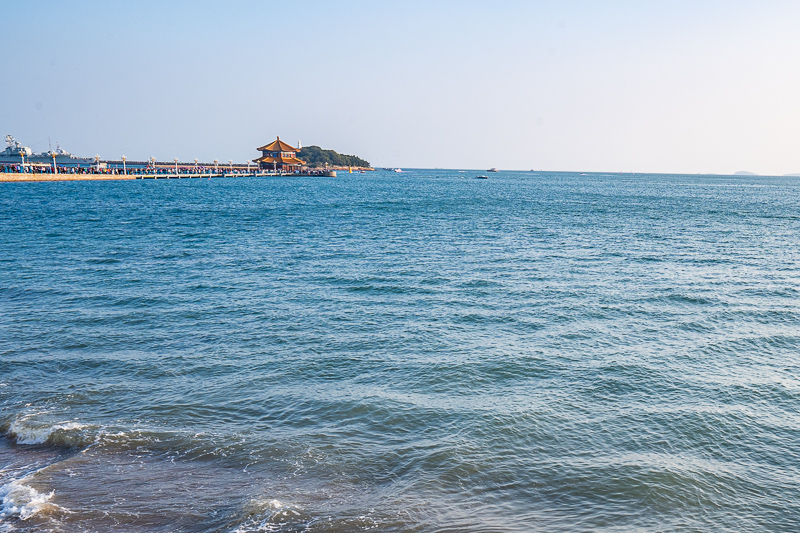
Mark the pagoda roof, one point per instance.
(280, 159)
(278, 146)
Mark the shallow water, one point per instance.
(415, 352)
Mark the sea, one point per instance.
(401, 352)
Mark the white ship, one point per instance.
(15, 153)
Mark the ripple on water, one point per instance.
(400, 353)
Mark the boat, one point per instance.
(492, 170)
(64, 158)
(15, 153)
(482, 177)
(398, 170)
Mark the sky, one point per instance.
(671, 86)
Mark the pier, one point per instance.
(20, 163)
(50, 176)
(108, 174)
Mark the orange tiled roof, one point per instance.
(278, 146)
(280, 159)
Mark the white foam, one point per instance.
(268, 515)
(22, 501)
(25, 430)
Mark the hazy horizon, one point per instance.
(616, 86)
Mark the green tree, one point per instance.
(316, 157)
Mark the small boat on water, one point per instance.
(492, 170)
(482, 177)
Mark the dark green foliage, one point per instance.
(314, 156)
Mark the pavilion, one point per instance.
(279, 156)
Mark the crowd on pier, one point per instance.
(49, 169)
(109, 170)
(114, 170)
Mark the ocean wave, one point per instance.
(40, 430)
(29, 430)
(274, 516)
(33, 430)
(268, 515)
(21, 501)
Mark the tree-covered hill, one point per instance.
(314, 156)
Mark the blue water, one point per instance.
(417, 352)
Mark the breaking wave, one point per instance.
(22, 502)
(271, 515)
(42, 429)
(32, 430)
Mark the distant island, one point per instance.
(316, 157)
(743, 173)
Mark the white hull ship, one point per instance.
(16, 154)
